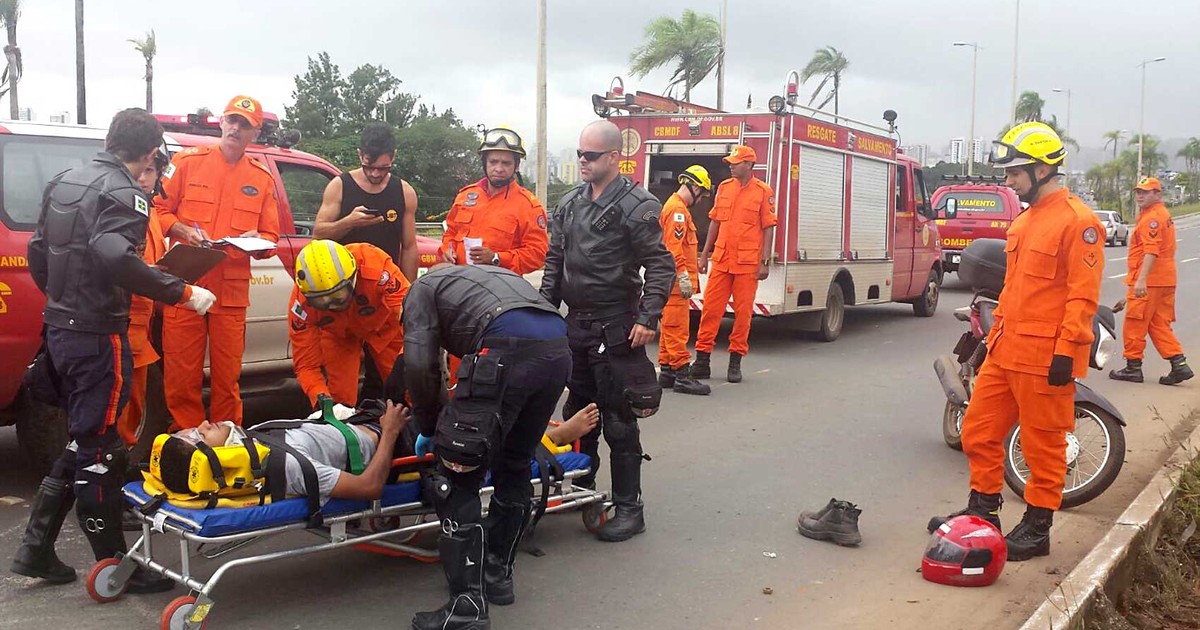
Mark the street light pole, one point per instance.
(1016, 42)
(721, 57)
(542, 175)
(971, 139)
(1066, 131)
(1142, 124)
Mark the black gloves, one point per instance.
(1060, 370)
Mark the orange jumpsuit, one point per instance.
(141, 311)
(743, 213)
(1051, 290)
(679, 235)
(327, 345)
(203, 189)
(1153, 234)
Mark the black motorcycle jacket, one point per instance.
(452, 308)
(84, 253)
(598, 249)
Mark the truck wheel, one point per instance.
(41, 433)
(926, 304)
(834, 314)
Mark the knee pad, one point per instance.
(622, 433)
(99, 475)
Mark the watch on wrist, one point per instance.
(496, 259)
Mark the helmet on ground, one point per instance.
(502, 139)
(697, 175)
(965, 551)
(1028, 143)
(324, 267)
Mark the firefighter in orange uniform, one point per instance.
(679, 235)
(1151, 297)
(739, 239)
(345, 296)
(141, 311)
(1040, 341)
(210, 193)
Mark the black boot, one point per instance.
(628, 520)
(735, 368)
(35, 557)
(1031, 537)
(837, 521)
(1179, 373)
(102, 526)
(701, 370)
(462, 555)
(985, 506)
(1132, 372)
(666, 377)
(506, 524)
(685, 384)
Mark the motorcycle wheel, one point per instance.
(1095, 455)
(952, 425)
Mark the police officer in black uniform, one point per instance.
(84, 255)
(602, 234)
(515, 364)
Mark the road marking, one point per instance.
(769, 369)
(1189, 260)
(1118, 259)
(1116, 276)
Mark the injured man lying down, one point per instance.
(325, 446)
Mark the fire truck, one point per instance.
(855, 223)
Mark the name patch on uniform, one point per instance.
(141, 205)
(1091, 236)
(249, 190)
(298, 310)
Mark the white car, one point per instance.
(1116, 232)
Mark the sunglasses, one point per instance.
(591, 156)
(375, 169)
(238, 121)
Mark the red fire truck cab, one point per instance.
(855, 223)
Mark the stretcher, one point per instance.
(387, 525)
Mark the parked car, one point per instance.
(1117, 233)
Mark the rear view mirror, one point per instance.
(951, 207)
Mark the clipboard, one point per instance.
(189, 262)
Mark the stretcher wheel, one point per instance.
(595, 515)
(176, 613)
(97, 582)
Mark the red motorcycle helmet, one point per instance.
(965, 551)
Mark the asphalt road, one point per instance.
(857, 419)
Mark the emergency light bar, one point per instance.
(210, 125)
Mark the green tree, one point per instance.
(1029, 106)
(319, 110)
(148, 47)
(1191, 160)
(10, 14)
(204, 111)
(1114, 138)
(830, 64)
(363, 93)
(1153, 159)
(692, 43)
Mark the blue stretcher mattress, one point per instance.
(223, 521)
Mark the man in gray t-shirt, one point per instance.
(325, 447)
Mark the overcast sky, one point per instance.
(479, 56)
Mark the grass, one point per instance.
(1185, 209)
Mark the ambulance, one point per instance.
(855, 223)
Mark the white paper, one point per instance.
(248, 244)
(469, 244)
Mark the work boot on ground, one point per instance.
(666, 377)
(837, 522)
(144, 582)
(701, 370)
(735, 368)
(506, 525)
(1132, 372)
(985, 506)
(685, 384)
(1031, 537)
(1179, 373)
(628, 519)
(35, 557)
(462, 554)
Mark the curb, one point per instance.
(1109, 566)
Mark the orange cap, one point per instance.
(741, 153)
(247, 108)
(1149, 183)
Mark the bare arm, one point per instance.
(410, 258)
(369, 485)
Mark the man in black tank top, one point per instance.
(370, 205)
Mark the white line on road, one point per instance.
(1118, 259)
(1189, 260)
(1116, 276)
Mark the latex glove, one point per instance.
(1060, 370)
(340, 411)
(685, 285)
(202, 299)
(424, 445)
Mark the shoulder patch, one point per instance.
(651, 215)
(169, 171)
(680, 217)
(384, 276)
(298, 310)
(141, 205)
(541, 220)
(1091, 236)
(1153, 225)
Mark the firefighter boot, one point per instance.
(1179, 373)
(735, 368)
(1132, 372)
(837, 522)
(35, 556)
(1031, 537)
(701, 370)
(506, 524)
(462, 553)
(666, 376)
(685, 384)
(628, 521)
(102, 525)
(985, 506)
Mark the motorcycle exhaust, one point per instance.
(947, 373)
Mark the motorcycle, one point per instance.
(1095, 448)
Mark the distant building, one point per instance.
(958, 153)
(26, 114)
(978, 152)
(918, 152)
(568, 172)
(63, 117)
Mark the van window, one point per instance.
(29, 162)
(901, 184)
(920, 194)
(978, 202)
(304, 187)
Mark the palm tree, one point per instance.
(1191, 154)
(148, 48)
(1113, 138)
(692, 43)
(830, 63)
(1052, 123)
(10, 13)
(80, 74)
(1029, 106)
(1153, 160)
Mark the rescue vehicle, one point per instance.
(855, 225)
(32, 153)
(971, 207)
